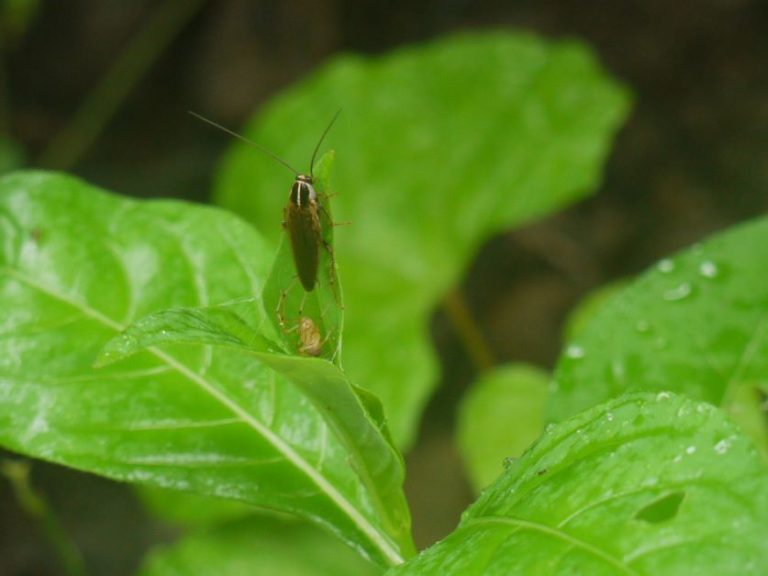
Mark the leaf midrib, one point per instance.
(379, 540)
(520, 524)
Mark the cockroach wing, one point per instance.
(304, 232)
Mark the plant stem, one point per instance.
(68, 146)
(17, 472)
(469, 332)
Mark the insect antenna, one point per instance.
(251, 142)
(319, 142)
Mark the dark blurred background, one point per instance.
(101, 88)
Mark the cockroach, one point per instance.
(301, 216)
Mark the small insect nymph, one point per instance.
(301, 218)
(310, 340)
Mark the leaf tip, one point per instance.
(113, 351)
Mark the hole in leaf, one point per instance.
(661, 510)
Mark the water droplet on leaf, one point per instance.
(575, 351)
(708, 269)
(665, 266)
(680, 292)
(722, 446)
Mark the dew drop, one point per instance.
(609, 416)
(683, 411)
(575, 351)
(38, 426)
(665, 266)
(663, 396)
(722, 446)
(690, 450)
(708, 269)
(680, 292)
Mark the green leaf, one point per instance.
(441, 146)
(640, 486)
(501, 415)
(696, 324)
(238, 324)
(259, 546)
(77, 266)
(355, 417)
(582, 314)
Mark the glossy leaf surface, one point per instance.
(355, 417)
(645, 485)
(77, 267)
(696, 323)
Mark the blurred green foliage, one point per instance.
(500, 416)
(257, 546)
(440, 146)
(15, 18)
(590, 305)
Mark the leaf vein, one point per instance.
(520, 524)
(378, 538)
